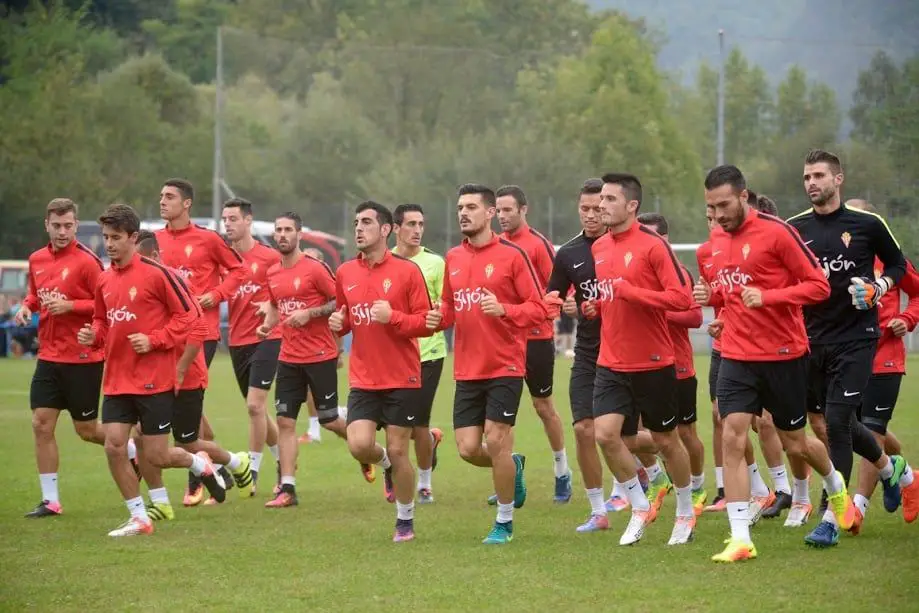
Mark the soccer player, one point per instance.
(679, 323)
(383, 301)
(302, 296)
(765, 274)
(491, 296)
(141, 315)
(843, 330)
(68, 377)
(255, 361)
(191, 381)
(200, 256)
(639, 280)
(408, 220)
(540, 367)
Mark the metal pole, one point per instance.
(218, 126)
(449, 236)
(552, 219)
(720, 97)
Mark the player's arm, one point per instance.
(436, 282)
(558, 278)
(889, 252)
(691, 318)
(232, 262)
(531, 310)
(195, 340)
(342, 308)
(545, 262)
(324, 282)
(413, 323)
(91, 272)
(178, 306)
(100, 319)
(676, 295)
(812, 286)
(30, 302)
(448, 314)
(910, 284)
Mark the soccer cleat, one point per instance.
(563, 489)
(657, 491)
(287, 497)
(45, 508)
(405, 531)
(370, 472)
(501, 534)
(492, 500)
(642, 475)
(193, 497)
(254, 487)
(719, 504)
(683, 530)
(243, 475)
(212, 479)
(856, 527)
(594, 523)
(782, 502)
(892, 495)
(758, 504)
(388, 490)
(425, 496)
(843, 507)
(616, 504)
(699, 497)
(226, 476)
(736, 551)
(133, 527)
(911, 499)
(637, 524)
(520, 486)
(210, 502)
(160, 511)
(306, 439)
(798, 515)
(437, 436)
(824, 535)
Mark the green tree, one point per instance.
(188, 41)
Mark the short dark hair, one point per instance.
(488, 194)
(630, 184)
(726, 174)
(765, 204)
(384, 216)
(147, 243)
(294, 217)
(655, 219)
(514, 191)
(120, 217)
(61, 206)
(816, 156)
(751, 197)
(185, 187)
(244, 206)
(398, 216)
(592, 186)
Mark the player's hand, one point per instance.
(58, 306)
(898, 326)
(752, 297)
(715, 328)
(337, 320)
(262, 308)
(23, 316)
(140, 343)
(341, 361)
(702, 292)
(262, 331)
(553, 304)
(86, 336)
(866, 293)
(180, 378)
(490, 305)
(380, 312)
(590, 309)
(207, 301)
(570, 306)
(298, 318)
(434, 317)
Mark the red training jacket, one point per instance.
(890, 356)
(196, 377)
(707, 272)
(679, 323)
(243, 314)
(542, 257)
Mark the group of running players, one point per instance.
(808, 324)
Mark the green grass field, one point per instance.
(333, 552)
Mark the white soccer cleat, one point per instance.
(798, 515)
(637, 524)
(758, 504)
(133, 527)
(682, 530)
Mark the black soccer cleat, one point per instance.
(782, 502)
(227, 477)
(45, 509)
(215, 483)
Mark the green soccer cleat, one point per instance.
(501, 534)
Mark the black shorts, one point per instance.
(186, 415)
(210, 350)
(393, 407)
(880, 399)
(67, 387)
(540, 367)
(713, 369)
(565, 324)
(153, 412)
(255, 365)
(581, 388)
(295, 381)
(779, 387)
(496, 400)
(839, 372)
(650, 395)
(686, 390)
(430, 379)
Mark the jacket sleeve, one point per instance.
(412, 323)
(888, 251)
(31, 300)
(677, 292)
(341, 301)
(232, 263)
(691, 318)
(182, 313)
(558, 278)
(910, 284)
(446, 302)
(530, 311)
(91, 272)
(100, 318)
(812, 286)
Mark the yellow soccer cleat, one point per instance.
(736, 551)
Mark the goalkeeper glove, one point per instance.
(866, 293)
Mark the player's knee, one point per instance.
(608, 438)
(115, 447)
(42, 426)
(795, 445)
(158, 458)
(584, 432)
(255, 409)
(667, 441)
(285, 424)
(86, 430)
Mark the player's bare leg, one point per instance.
(263, 431)
(771, 446)
(471, 446)
(313, 433)
(677, 461)
(591, 474)
(696, 450)
(718, 504)
(287, 445)
(403, 481)
(507, 477)
(552, 425)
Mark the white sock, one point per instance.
(907, 479)
(887, 471)
(234, 462)
(197, 465)
(159, 495)
(653, 471)
(684, 501)
(132, 449)
(384, 461)
(314, 430)
(636, 495)
(802, 492)
(830, 517)
(505, 512)
(862, 503)
(780, 478)
(406, 511)
(48, 483)
(255, 460)
(697, 481)
(758, 487)
(595, 497)
(739, 516)
(561, 463)
(618, 490)
(719, 477)
(137, 508)
(424, 478)
(288, 480)
(833, 483)
(275, 451)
